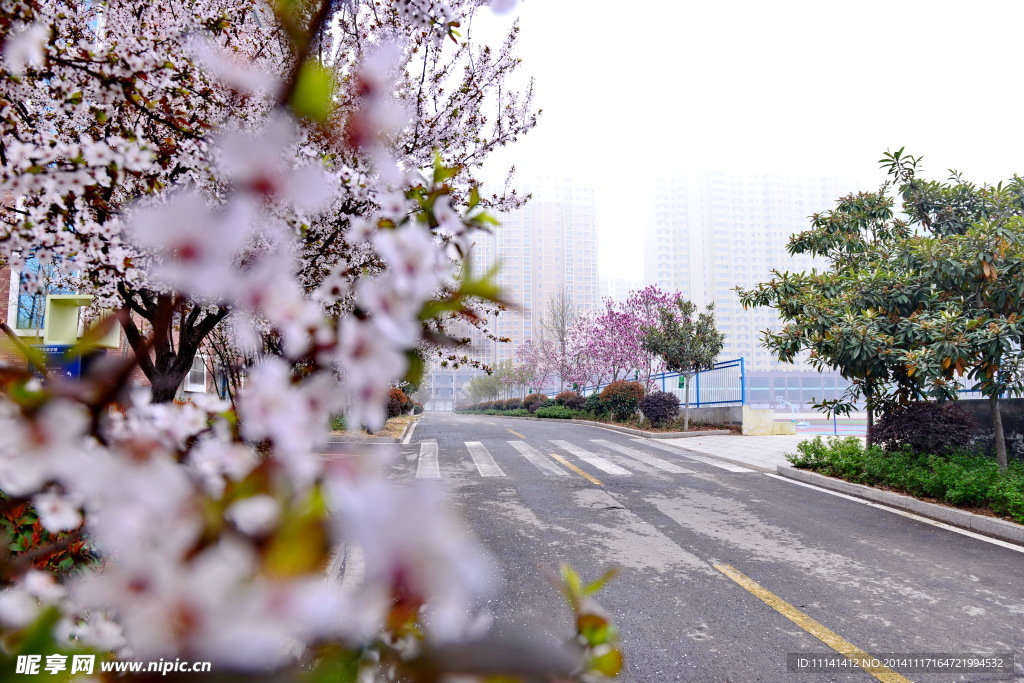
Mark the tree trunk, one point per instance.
(870, 405)
(997, 424)
(686, 410)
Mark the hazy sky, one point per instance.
(808, 87)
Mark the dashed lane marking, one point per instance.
(830, 638)
(592, 479)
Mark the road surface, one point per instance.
(725, 570)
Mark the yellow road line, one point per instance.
(830, 638)
(517, 434)
(575, 469)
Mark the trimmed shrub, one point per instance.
(557, 412)
(550, 403)
(659, 407)
(337, 423)
(498, 405)
(958, 478)
(417, 408)
(534, 401)
(513, 403)
(570, 399)
(518, 412)
(594, 406)
(622, 398)
(926, 427)
(397, 401)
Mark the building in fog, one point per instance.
(548, 245)
(619, 288)
(711, 232)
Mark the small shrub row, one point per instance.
(960, 478)
(558, 412)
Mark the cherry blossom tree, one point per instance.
(210, 527)
(122, 100)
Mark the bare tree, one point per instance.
(556, 329)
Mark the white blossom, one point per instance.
(26, 48)
(56, 512)
(255, 516)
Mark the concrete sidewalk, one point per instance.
(767, 452)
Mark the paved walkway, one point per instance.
(761, 451)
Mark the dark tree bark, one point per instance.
(167, 361)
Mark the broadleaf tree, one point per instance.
(686, 342)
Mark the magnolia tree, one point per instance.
(534, 370)
(686, 343)
(148, 530)
(610, 346)
(600, 347)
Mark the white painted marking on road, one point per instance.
(643, 457)
(482, 459)
(537, 458)
(408, 435)
(353, 569)
(707, 460)
(902, 513)
(427, 467)
(595, 460)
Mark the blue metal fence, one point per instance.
(724, 384)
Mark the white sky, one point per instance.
(810, 87)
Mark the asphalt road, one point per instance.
(882, 582)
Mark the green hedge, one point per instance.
(963, 479)
(557, 412)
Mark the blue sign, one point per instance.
(57, 362)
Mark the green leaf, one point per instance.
(313, 94)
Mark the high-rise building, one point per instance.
(619, 288)
(545, 247)
(715, 231)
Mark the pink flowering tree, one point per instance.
(535, 371)
(208, 527)
(612, 342)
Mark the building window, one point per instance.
(35, 282)
(196, 380)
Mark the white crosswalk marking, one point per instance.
(541, 462)
(482, 459)
(427, 467)
(643, 457)
(592, 459)
(694, 456)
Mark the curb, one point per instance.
(408, 426)
(615, 428)
(366, 439)
(989, 526)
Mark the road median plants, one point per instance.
(557, 412)
(534, 401)
(622, 398)
(962, 479)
